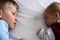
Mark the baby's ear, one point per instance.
(57, 15)
(0, 14)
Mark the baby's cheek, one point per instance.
(50, 20)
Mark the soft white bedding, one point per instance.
(30, 18)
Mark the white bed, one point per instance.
(30, 18)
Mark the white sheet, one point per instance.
(30, 18)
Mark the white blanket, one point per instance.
(30, 18)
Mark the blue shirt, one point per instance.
(4, 34)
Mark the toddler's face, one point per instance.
(9, 15)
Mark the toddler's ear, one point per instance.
(0, 14)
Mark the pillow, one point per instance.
(29, 20)
(45, 3)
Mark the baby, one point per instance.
(8, 12)
(52, 20)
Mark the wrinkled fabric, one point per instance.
(13, 38)
(46, 34)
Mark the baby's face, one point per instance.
(51, 18)
(9, 15)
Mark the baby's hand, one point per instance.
(38, 31)
(22, 39)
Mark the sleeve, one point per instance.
(4, 34)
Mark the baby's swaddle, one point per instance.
(46, 34)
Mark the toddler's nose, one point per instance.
(15, 21)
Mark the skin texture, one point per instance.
(51, 18)
(9, 15)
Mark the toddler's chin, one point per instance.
(12, 27)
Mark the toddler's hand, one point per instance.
(22, 39)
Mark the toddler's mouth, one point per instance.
(14, 24)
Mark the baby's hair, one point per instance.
(53, 7)
(50, 12)
(3, 4)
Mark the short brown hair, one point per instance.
(3, 2)
(50, 12)
(55, 7)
